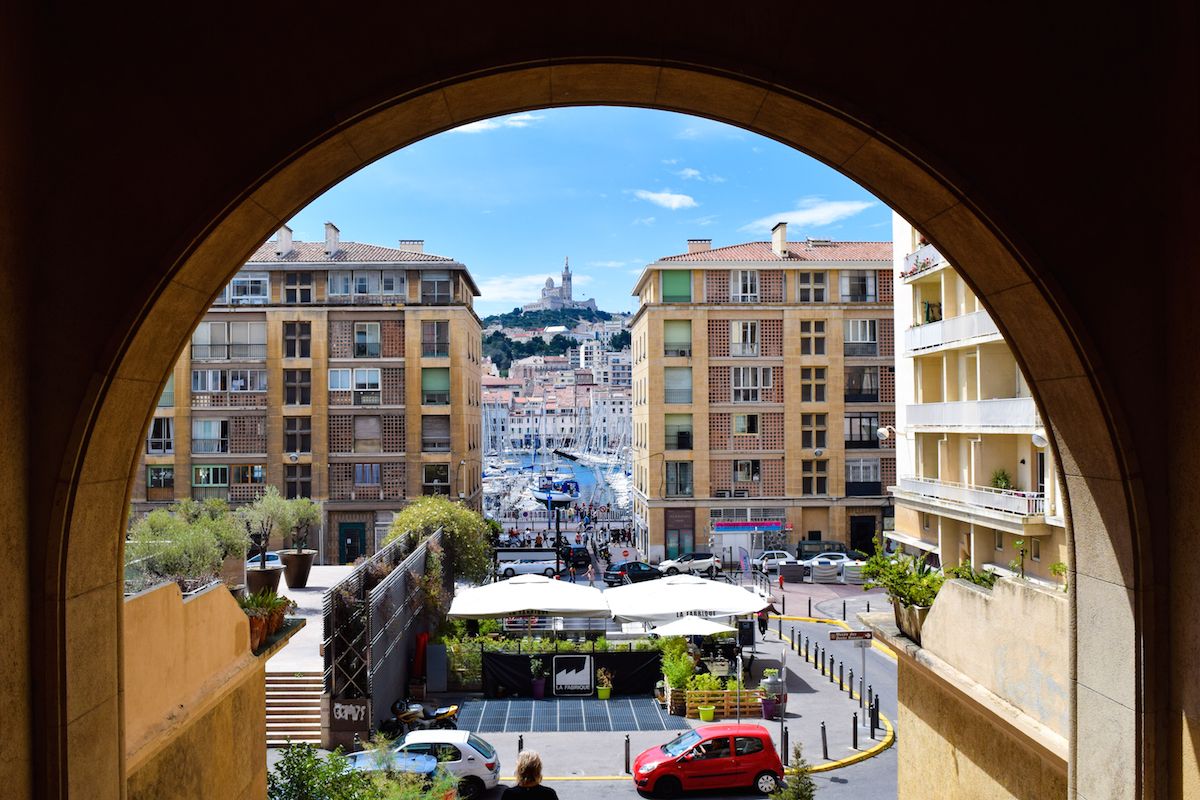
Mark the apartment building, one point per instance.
(975, 473)
(345, 372)
(761, 373)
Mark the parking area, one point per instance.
(562, 715)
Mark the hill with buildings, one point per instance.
(567, 317)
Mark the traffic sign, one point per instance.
(624, 554)
(837, 636)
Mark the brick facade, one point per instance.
(769, 437)
(887, 384)
(393, 434)
(341, 338)
(395, 479)
(887, 339)
(341, 433)
(718, 338)
(341, 481)
(770, 286)
(718, 385)
(885, 286)
(341, 398)
(775, 393)
(392, 380)
(770, 483)
(716, 286)
(887, 471)
(770, 338)
(391, 338)
(248, 435)
(887, 418)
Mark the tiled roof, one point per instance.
(349, 252)
(811, 250)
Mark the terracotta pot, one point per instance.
(258, 632)
(296, 566)
(258, 579)
(274, 622)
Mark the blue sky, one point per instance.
(612, 188)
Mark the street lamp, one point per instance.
(886, 432)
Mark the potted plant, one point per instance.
(252, 605)
(773, 692)
(298, 560)
(603, 683)
(538, 670)
(910, 583)
(261, 518)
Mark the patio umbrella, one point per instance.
(529, 595)
(692, 626)
(676, 596)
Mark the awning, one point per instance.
(912, 541)
(677, 596)
(529, 595)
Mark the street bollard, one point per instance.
(627, 772)
(824, 743)
(850, 684)
(810, 606)
(793, 640)
(831, 667)
(805, 648)
(520, 743)
(843, 611)
(841, 683)
(854, 731)
(784, 739)
(821, 651)
(782, 597)
(868, 606)
(870, 695)
(860, 692)
(780, 621)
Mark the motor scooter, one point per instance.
(413, 716)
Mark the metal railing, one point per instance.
(435, 298)
(743, 349)
(1024, 504)
(435, 489)
(366, 397)
(210, 445)
(682, 396)
(678, 437)
(229, 399)
(435, 444)
(922, 259)
(949, 329)
(367, 349)
(435, 398)
(210, 352)
(860, 348)
(677, 350)
(1010, 412)
(375, 299)
(248, 351)
(861, 397)
(435, 349)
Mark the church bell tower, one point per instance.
(566, 280)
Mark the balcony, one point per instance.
(367, 349)
(678, 437)
(860, 348)
(210, 492)
(1005, 414)
(1005, 503)
(870, 443)
(435, 398)
(922, 260)
(435, 444)
(864, 488)
(435, 488)
(375, 299)
(229, 400)
(366, 397)
(249, 352)
(207, 446)
(210, 352)
(678, 351)
(743, 349)
(861, 397)
(435, 349)
(435, 298)
(949, 331)
(678, 396)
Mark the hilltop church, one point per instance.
(556, 298)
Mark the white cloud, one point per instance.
(809, 212)
(670, 161)
(644, 221)
(688, 133)
(667, 199)
(707, 219)
(688, 173)
(515, 121)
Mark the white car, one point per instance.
(825, 559)
(461, 753)
(771, 559)
(508, 569)
(691, 562)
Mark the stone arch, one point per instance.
(1105, 498)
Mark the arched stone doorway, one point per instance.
(1104, 492)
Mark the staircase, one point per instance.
(294, 708)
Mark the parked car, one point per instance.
(508, 569)
(806, 550)
(463, 754)
(369, 761)
(630, 572)
(836, 559)
(577, 554)
(711, 757)
(273, 560)
(771, 559)
(690, 562)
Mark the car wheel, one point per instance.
(508, 573)
(470, 787)
(549, 573)
(672, 571)
(667, 787)
(766, 782)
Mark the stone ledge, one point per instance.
(1053, 748)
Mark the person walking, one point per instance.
(591, 575)
(529, 780)
(572, 571)
(763, 621)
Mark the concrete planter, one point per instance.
(296, 566)
(910, 619)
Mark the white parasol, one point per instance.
(529, 595)
(676, 596)
(692, 626)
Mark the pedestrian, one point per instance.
(572, 571)
(538, 541)
(763, 621)
(591, 575)
(529, 780)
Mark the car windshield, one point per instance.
(681, 743)
(483, 747)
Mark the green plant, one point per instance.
(1017, 565)
(1059, 570)
(167, 546)
(984, 577)
(800, 785)
(601, 645)
(537, 668)
(678, 668)
(267, 514)
(1001, 479)
(907, 580)
(770, 672)
(705, 682)
(465, 534)
(303, 774)
(604, 677)
(487, 627)
(305, 513)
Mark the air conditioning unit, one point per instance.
(721, 493)
(741, 492)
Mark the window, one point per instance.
(814, 479)
(678, 431)
(161, 440)
(862, 429)
(812, 337)
(743, 286)
(339, 380)
(999, 540)
(812, 385)
(368, 436)
(862, 384)
(297, 339)
(679, 479)
(210, 341)
(435, 338)
(393, 283)
(248, 340)
(677, 337)
(748, 383)
(160, 477)
(862, 470)
(435, 288)
(812, 287)
(210, 436)
(366, 387)
(858, 286)
(366, 474)
(1035, 549)
(676, 286)
(747, 470)
(297, 387)
(248, 473)
(435, 386)
(677, 384)
(297, 481)
(747, 745)
(297, 434)
(298, 287)
(250, 288)
(366, 283)
(209, 380)
(435, 433)
(435, 479)
(167, 398)
(210, 475)
(366, 340)
(247, 380)
(812, 430)
(743, 338)
(860, 338)
(340, 284)
(745, 424)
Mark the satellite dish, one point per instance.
(1039, 440)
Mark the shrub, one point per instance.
(465, 534)
(168, 547)
(799, 786)
(705, 682)
(984, 577)
(302, 774)
(678, 668)
(907, 580)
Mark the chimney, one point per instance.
(779, 239)
(412, 245)
(331, 239)
(283, 242)
(699, 245)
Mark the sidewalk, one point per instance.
(302, 653)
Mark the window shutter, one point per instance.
(677, 286)
(435, 379)
(677, 333)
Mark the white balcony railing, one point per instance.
(1021, 504)
(975, 415)
(953, 329)
(923, 259)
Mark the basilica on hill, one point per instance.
(556, 298)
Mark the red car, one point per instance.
(711, 757)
